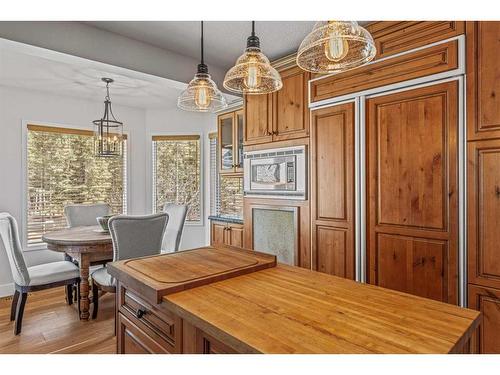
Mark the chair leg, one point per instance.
(69, 294)
(116, 310)
(95, 299)
(19, 313)
(15, 298)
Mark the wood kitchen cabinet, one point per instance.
(291, 110)
(279, 116)
(143, 328)
(412, 200)
(230, 234)
(483, 80)
(486, 300)
(230, 142)
(258, 119)
(484, 212)
(332, 189)
(483, 179)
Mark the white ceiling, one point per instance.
(224, 40)
(38, 69)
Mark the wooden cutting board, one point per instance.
(159, 275)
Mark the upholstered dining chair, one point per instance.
(176, 219)
(30, 279)
(133, 237)
(78, 215)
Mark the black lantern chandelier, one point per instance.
(108, 131)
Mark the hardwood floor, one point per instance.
(51, 326)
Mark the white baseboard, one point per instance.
(6, 290)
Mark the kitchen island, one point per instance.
(242, 302)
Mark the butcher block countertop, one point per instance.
(284, 309)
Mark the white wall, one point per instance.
(18, 105)
(174, 121)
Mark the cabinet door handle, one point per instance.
(269, 133)
(275, 132)
(140, 313)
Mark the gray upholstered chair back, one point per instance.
(10, 239)
(173, 233)
(78, 215)
(137, 236)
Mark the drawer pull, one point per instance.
(140, 313)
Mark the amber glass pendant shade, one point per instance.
(201, 94)
(108, 131)
(335, 46)
(253, 73)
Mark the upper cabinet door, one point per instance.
(258, 117)
(412, 195)
(239, 125)
(291, 112)
(226, 143)
(483, 80)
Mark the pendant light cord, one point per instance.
(202, 60)
(253, 28)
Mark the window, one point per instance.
(226, 192)
(231, 196)
(177, 173)
(62, 169)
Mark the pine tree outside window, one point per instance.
(177, 173)
(61, 170)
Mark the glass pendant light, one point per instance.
(334, 46)
(108, 131)
(202, 94)
(253, 73)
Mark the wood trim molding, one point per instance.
(393, 37)
(439, 58)
(194, 137)
(285, 62)
(62, 130)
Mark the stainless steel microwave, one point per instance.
(276, 173)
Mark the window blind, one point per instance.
(177, 173)
(61, 170)
(214, 176)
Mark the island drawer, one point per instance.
(161, 325)
(133, 340)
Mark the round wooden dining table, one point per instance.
(87, 246)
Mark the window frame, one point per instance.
(149, 170)
(24, 173)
